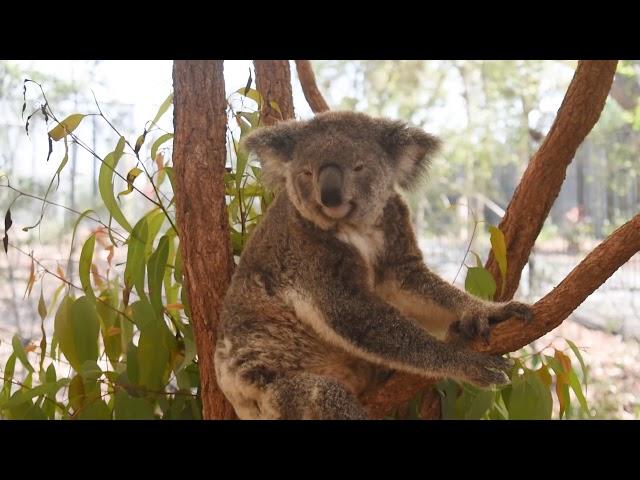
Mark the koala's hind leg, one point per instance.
(308, 396)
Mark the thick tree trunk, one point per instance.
(199, 155)
(309, 87)
(273, 81)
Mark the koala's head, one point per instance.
(341, 166)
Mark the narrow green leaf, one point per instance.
(86, 328)
(110, 327)
(577, 389)
(42, 311)
(42, 308)
(9, 369)
(84, 270)
(105, 184)
(155, 268)
(134, 269)
(578, 355)
(133, 368)
(153, 357)
(163, 109)
(160, 140)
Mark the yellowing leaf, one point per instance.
(252, 94)
(499, 248)
(32, 278)
(545, 376)
(275, 106)
(65, 127)
(60, 272)
(131, 176)
(564, 360)
(139, 143)
(175, 306)
(111, 331)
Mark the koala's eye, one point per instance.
(358, 167)
(308, 173)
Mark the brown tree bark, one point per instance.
(543, 178)
(527, 211)
(309, 87)
(199, 156)
(273, 81)
(549, 312)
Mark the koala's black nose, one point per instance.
(330, 182)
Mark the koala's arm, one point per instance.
(360, 323)
(421, 294)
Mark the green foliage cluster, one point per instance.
(122, 345)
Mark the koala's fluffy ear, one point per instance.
(410, 148)
(274, 147)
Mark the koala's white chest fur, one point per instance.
(367, 241)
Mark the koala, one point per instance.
(331, 294)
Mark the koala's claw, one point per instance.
(512, 309)
(471, 327)
(489, 370)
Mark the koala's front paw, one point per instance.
(484, 370)
(468, 328)
(511, 309)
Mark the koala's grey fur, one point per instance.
(331, 294)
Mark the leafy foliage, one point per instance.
(533, 377)
(122, 344)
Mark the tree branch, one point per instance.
(543, 178)
(549, 312)
(310, 87)
(524, 217)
